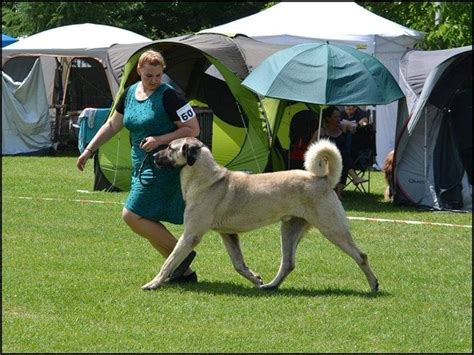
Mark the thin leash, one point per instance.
(149, 155)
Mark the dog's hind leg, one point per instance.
(339, 234)
(232, 245)
(184, 246)
(291, 233)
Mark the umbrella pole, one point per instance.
(320, 120)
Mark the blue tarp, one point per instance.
(6, 40)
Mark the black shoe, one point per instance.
(191, 278)
(181, 269)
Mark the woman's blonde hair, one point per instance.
(151, 57)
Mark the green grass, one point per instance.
(72, 271)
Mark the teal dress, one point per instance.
(156, 195)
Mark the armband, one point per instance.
(185, 113)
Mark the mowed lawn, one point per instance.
(72, 272)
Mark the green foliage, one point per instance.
(152, 19)
(16, 16)
(72, 271)
(453, 30)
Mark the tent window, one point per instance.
(19, 67)
(87, 85)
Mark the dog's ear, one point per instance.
(190, 152)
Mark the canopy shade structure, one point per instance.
(81, 40)
(346, 23)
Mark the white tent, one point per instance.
(339, 22)
(67, 54)
(81, 40)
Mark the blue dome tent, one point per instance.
(6, 40)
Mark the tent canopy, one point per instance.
(299, 22)
(415, 65)
(337, 22)
(80, 40)
(85, 39)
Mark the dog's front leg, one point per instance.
(184, 246)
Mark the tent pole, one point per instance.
(425, 143)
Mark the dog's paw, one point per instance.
(269, 287)
(258, 281)
(152, 285)
(375, 287)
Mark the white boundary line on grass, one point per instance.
(351, 218)
(63, 200)
(408, 222)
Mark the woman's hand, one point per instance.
(108, 130)
(364, 122)
(150, 143)
(81, 161)
(348, 126)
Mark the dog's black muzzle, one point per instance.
(162, 160)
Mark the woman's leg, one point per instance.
(349, 166)
(156, 233)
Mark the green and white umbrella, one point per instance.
(325, 74)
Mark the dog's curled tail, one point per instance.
(324, 159)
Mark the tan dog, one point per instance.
(388, 175)
(234, 202)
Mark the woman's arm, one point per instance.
(107, 131)
(188, 129)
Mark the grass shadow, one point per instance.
(228, 288)
(372, 202)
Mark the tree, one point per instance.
(167, 19)
(151, 19)
(453, 30)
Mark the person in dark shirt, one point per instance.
(333, 130)
(361, 135)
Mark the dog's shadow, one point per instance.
(228, 288)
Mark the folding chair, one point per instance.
(363, 166)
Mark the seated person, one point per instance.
(333, 130)
(302, 127)
(361, 135)
(355, 114)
